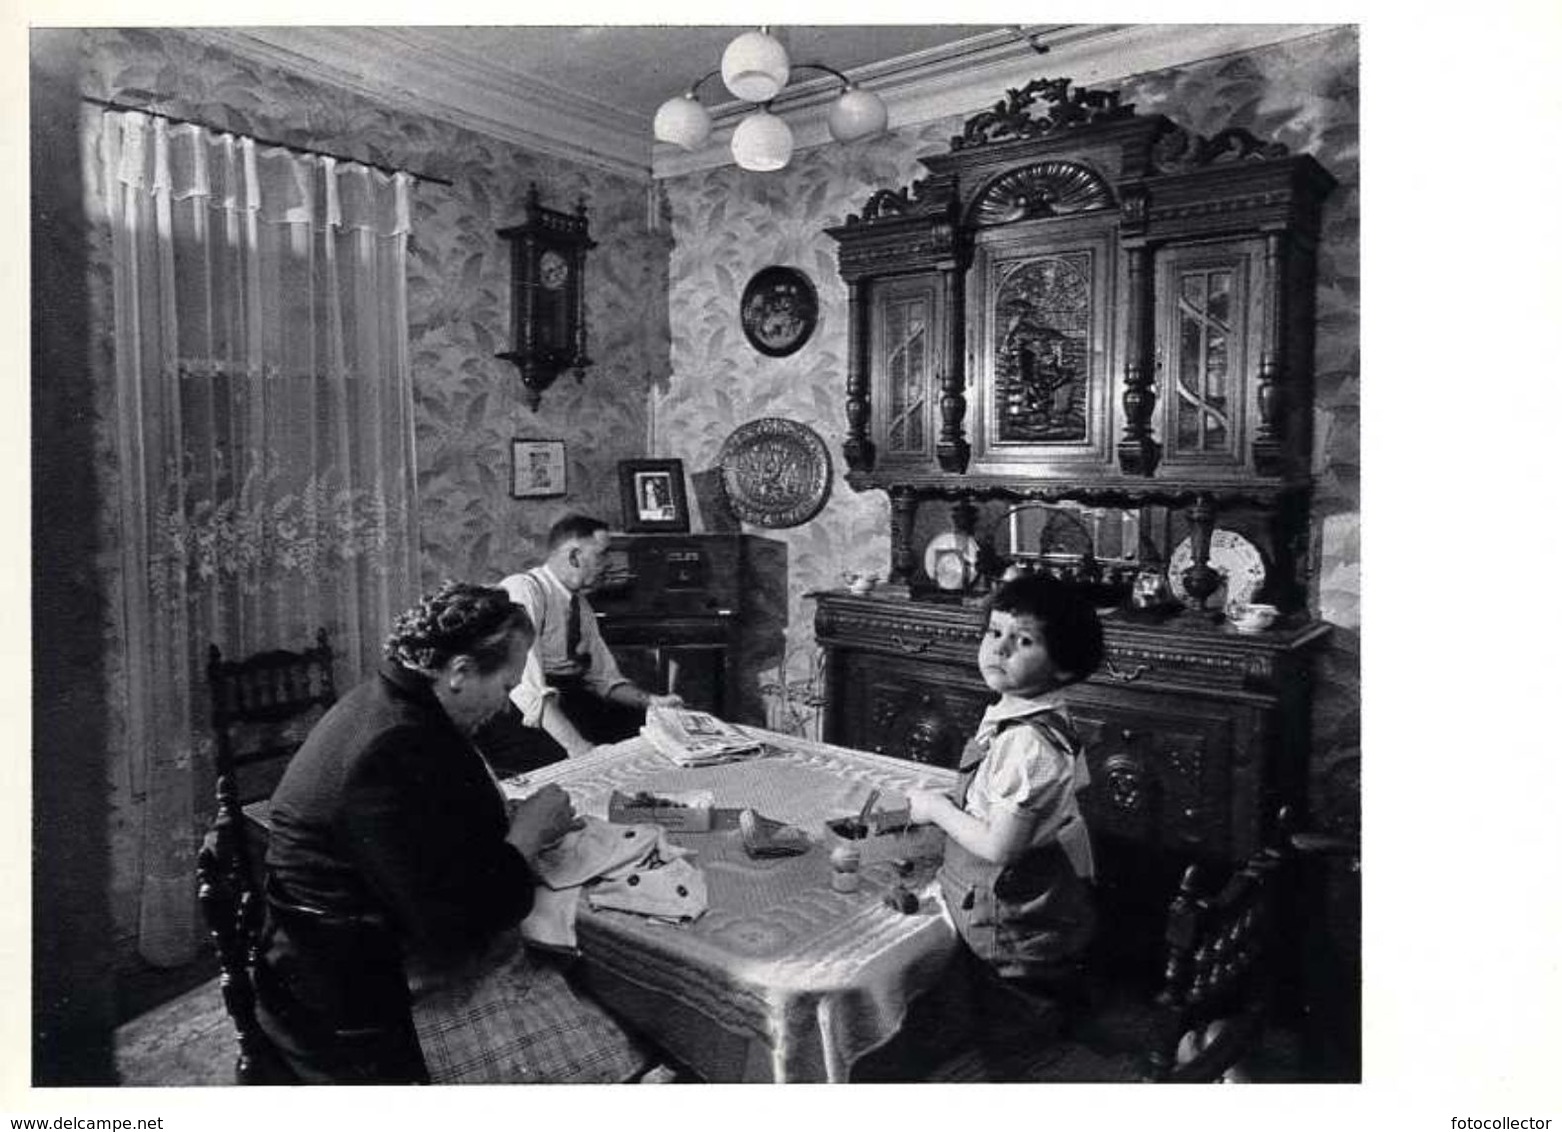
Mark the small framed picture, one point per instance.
(653, 495)
(536, 469)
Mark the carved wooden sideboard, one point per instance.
(1084, 309)
(1193, 733)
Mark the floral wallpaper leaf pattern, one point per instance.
(728, 224)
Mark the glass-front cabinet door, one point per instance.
(1208, 325)
(908, 322)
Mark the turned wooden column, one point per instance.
(1200, 579)
(954, 451)
(1138, 453)
(858, 448)
(1269, 442)
(902, 514)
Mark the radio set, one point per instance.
(678, 575)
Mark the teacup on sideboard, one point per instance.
(1252, 617)
(859, 582)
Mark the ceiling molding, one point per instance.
(405, 68)
(412, 70)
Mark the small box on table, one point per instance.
(687, 811)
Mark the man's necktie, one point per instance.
(572, 635)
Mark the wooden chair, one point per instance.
(258, 707)
(1201, 1018)
(1197, 1018)
(1217, 989)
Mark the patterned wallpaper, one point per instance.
(727, 224)
(468, 406)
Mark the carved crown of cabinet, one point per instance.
(1080, 302)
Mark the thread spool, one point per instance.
(846, 858)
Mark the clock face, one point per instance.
(553, 270)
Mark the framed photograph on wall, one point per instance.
(653, 495)
(536, 469)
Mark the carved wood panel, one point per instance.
(1040, 312)
(1159, 776)
(907, 710)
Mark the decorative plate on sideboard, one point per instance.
(951, 560)
(1238, 561)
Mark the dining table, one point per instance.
(783, 977)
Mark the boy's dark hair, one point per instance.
(573, 526)
(1070, 628)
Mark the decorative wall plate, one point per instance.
(1238, 561)
(776, 472)
(780, 308)
(950, 560)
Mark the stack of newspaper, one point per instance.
(696, 738)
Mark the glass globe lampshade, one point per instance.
(762, 143)
(755, 66)
(857, 114)
(682, 121)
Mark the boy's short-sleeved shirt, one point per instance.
(1023, 772)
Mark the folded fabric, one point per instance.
(619, 857)
(674, 890)
(596, 848)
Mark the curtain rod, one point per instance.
(261, 141)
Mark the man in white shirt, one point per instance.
(572, 693)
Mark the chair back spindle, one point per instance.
(1217, 984)
(260, 694)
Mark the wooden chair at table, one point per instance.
(1216, 993)
(1201, 1019)
(1230, 950)
(1207, 1011)
(266, 695)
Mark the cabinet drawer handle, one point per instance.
(1128, 677)
(900, 643)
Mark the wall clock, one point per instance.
(547, 295)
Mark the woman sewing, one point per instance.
(397, 876)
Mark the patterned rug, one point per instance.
(189, 1041)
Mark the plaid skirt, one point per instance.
(513, 1018)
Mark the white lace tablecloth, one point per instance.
(783, 978)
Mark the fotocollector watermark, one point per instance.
(1503, 1123)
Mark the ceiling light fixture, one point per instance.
(755, 68)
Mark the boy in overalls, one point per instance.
(1018, 871)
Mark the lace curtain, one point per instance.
(267, 478)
